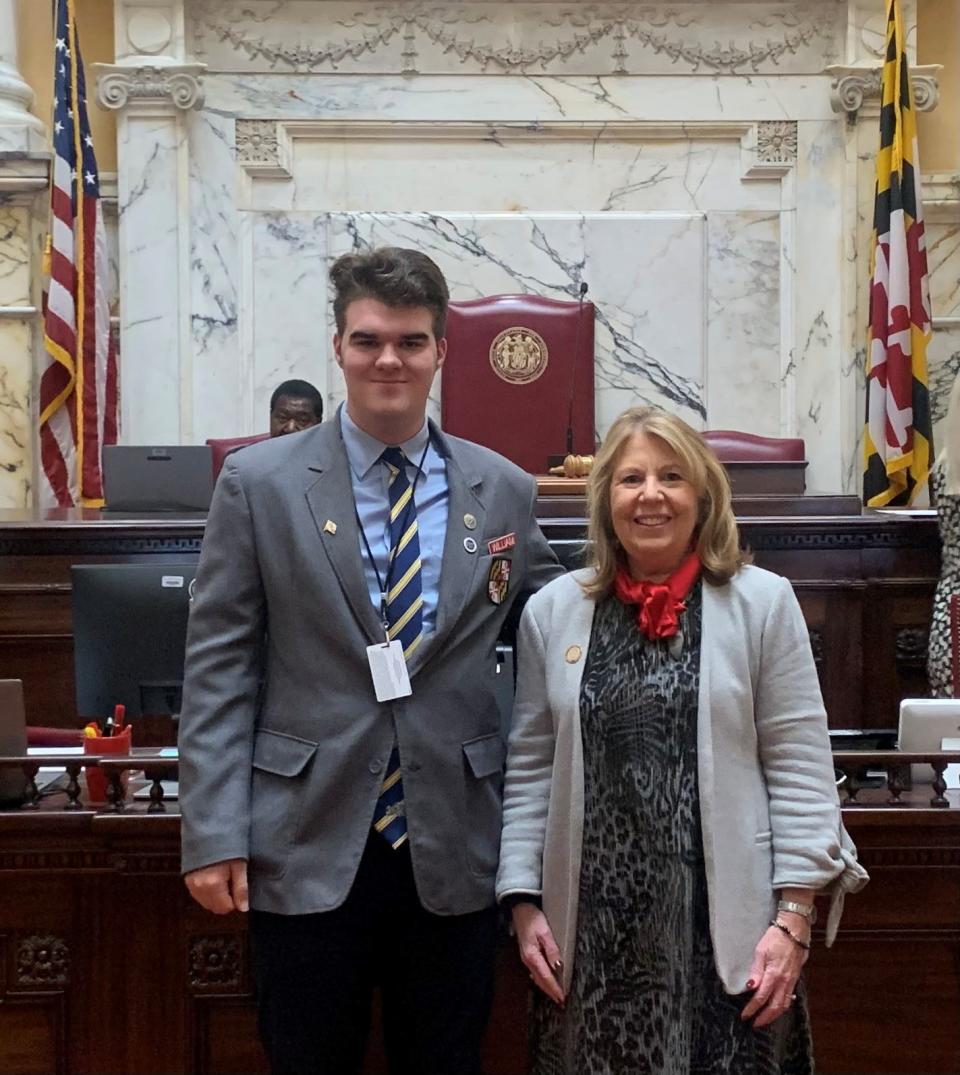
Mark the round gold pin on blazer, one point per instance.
(573, 654)
(470, 521)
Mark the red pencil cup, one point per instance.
(104, 744)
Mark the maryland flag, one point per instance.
(898, 437)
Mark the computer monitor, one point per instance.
(146, 478)
(129, 632)
(928, 725)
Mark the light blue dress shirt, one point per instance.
(369, 478)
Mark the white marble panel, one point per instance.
(16, 424)
(548, 172)
(15, 255)
(943, 262)
(221, 385)
(699, 38)
(289, 336)
(743, 333)
(150, 373)
(649, 332)
(823, 389)
(536, 99)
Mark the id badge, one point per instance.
(388, 670)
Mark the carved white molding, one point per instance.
(941, 197)
(264, 148)
(178, 86)
(149, 31)
(777, 141)
(853, 85)
(424, 37)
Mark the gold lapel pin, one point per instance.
(329, 527)
(573, 654)
(470, 521)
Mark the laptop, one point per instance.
(13, 740)
(139, 477)
(931, 724)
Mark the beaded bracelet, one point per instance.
(789, 932)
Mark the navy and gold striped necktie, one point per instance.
(404, 613)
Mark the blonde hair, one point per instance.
(717, 540)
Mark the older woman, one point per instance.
(670, 808)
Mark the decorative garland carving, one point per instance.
(42, 961)
(777, 141)
(555, 34)
(117, 86)
(216, 962)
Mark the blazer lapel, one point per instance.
(458, 567)
(330, 500)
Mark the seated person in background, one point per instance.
(294, 405)
(670, 809)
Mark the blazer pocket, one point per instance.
(485, 754)
(279, 761)
(483, 802)
(282, 754)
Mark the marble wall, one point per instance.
(706, 168)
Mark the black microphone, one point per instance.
(573, 368)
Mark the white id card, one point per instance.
(388, 670)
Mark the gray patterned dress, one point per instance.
(645, 996)
(939, 646)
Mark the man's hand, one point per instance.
(220, 888)
(538, 949)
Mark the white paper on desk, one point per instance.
(48, 752)
(952, 772)
(909, 513)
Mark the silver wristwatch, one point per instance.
(807, 912)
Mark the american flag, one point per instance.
(78, 388)
(898, 437)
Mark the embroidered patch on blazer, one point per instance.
(502, 544)
(498, 581)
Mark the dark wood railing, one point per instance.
(852, 764)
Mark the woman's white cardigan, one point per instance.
(769, 808)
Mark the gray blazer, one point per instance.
(282, 742)
(768, 803)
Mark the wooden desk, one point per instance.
(865, 582)
(106, 966)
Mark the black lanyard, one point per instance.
(384, 584)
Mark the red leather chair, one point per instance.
(733, 446)
(501, 389)
(220, 447)
(54, 737)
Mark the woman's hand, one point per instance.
(538, 949)
(777, 962)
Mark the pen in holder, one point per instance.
(104, 744)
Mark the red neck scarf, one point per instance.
(659, 604)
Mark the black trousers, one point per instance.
(315, 975)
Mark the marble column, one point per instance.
(19, 130)
(24, 161)
(152, 89)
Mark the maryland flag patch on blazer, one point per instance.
(498, 581)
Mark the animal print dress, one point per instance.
(645, 997)
(940, 646)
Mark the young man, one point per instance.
(366, 838)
